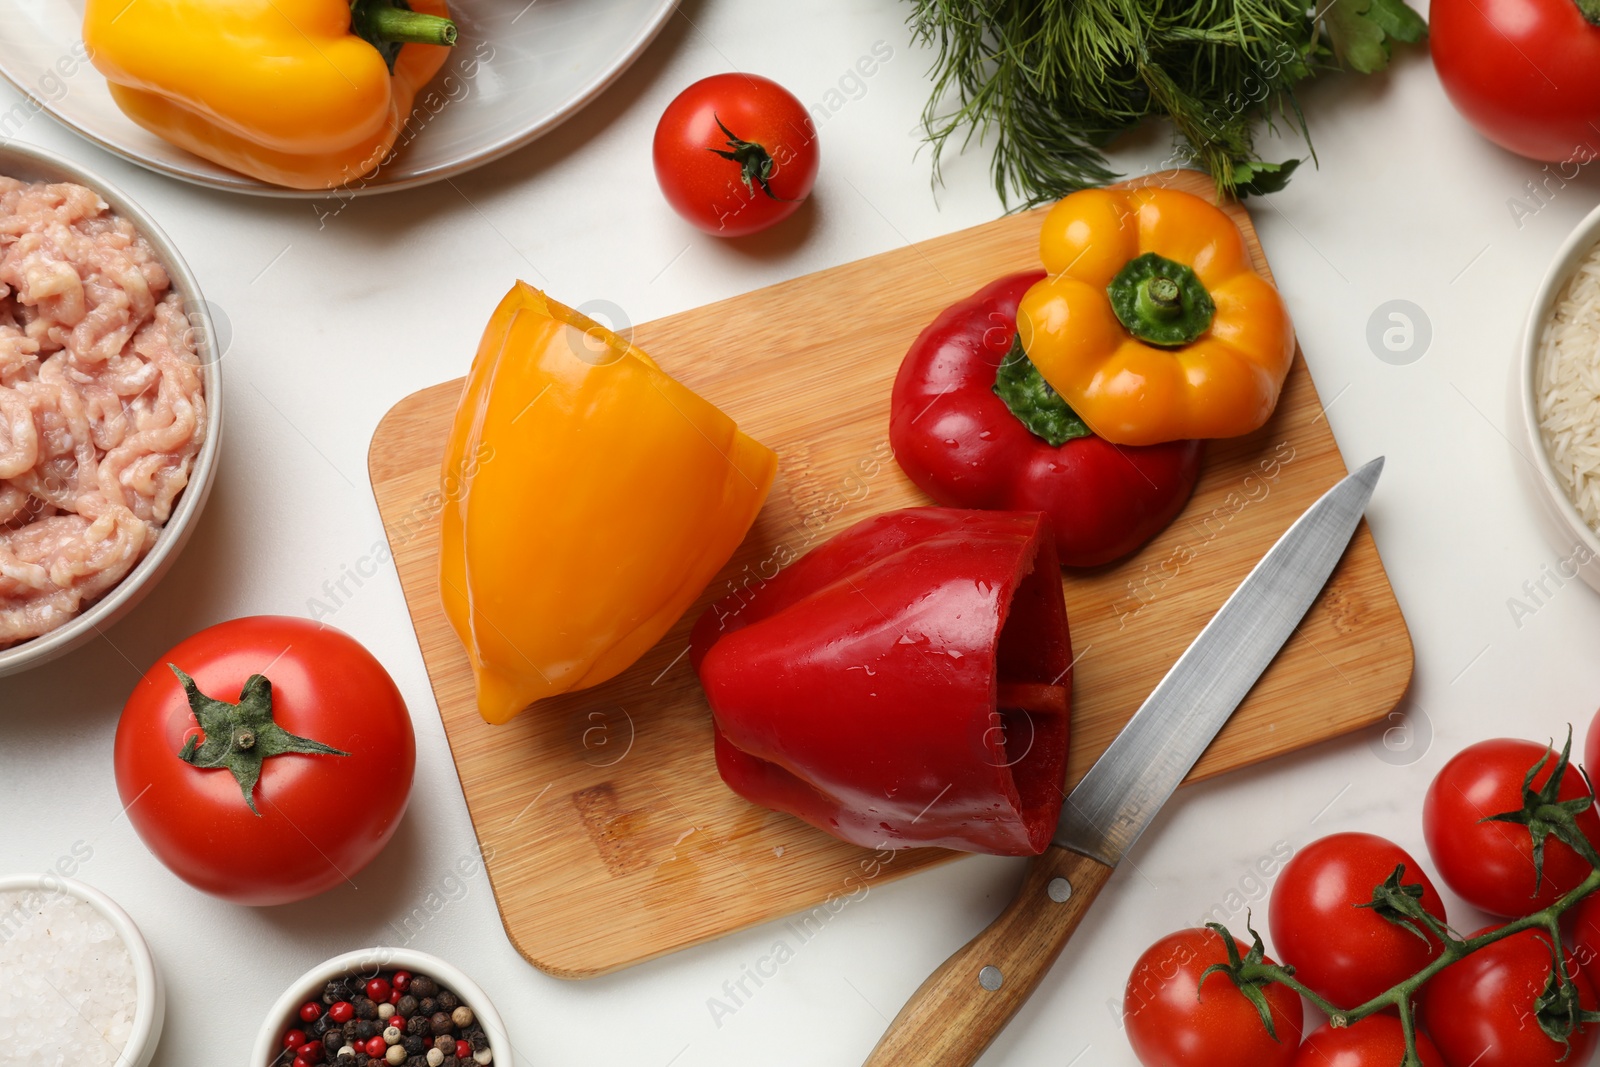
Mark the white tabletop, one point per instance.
(333, 321)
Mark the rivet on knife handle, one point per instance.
(951, 1019)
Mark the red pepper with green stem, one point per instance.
(906, 683)
(974, 425)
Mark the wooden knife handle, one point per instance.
(963, 1005)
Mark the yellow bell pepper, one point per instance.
(308, 94)
(1152, 323)
(590, 498)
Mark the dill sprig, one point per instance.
(1055, 81)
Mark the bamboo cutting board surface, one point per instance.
(608, 836)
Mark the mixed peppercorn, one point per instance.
(397, 1018)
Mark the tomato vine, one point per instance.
(1558, 1009)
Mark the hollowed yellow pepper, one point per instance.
(589, 497)
(1152, 323)
(308, 94)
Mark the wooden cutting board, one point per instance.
(609, 838)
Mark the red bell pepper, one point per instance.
(967, 447)
(905, 683)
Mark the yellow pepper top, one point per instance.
(282, 90)
(590, 499)
(1152, 324)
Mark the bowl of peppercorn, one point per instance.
(383, 1007)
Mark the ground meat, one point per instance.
(102, 410)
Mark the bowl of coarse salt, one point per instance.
(81, 985)
(1557, 401)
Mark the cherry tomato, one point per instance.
(1490, 864)
(1346, 953)
(1585, 939)
(1376, 1041)
(762, 126)
(318, 818)
(1591, 746)
(1172, 1022)
(1479, 1010)
(1525, 73)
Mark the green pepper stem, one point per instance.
(1160, 301)
(385, 21)
(1589, 9)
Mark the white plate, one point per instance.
(532, 65)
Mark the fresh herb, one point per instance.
(1056, 81)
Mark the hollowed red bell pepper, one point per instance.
(963, 445)
(905, 683)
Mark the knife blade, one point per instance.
(963, 1005)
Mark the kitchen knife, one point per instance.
(959, 1010)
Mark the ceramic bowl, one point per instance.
(1577, 546)
(368, 961)
(27, 163)
(151, 997)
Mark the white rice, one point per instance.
(1567, 382)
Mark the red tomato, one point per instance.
(1479, 1010)
(1376, 1041)
(1346, 953)
(1591, 747)
(1172, 1022)
(322, 817)
(760, 124)
(1526, 73)
(1490, 864)
(1585, 938)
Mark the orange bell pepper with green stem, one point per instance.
(307, 94)
(590, 498)
(1152, 324)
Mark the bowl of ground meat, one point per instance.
(110, 413)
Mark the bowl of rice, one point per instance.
(81, 985)
(110, 405)
(1559, 406)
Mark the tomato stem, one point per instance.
(1408, 1027)
(240, 737)
(755, 162)
(1401, 996)
(1590, 9)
